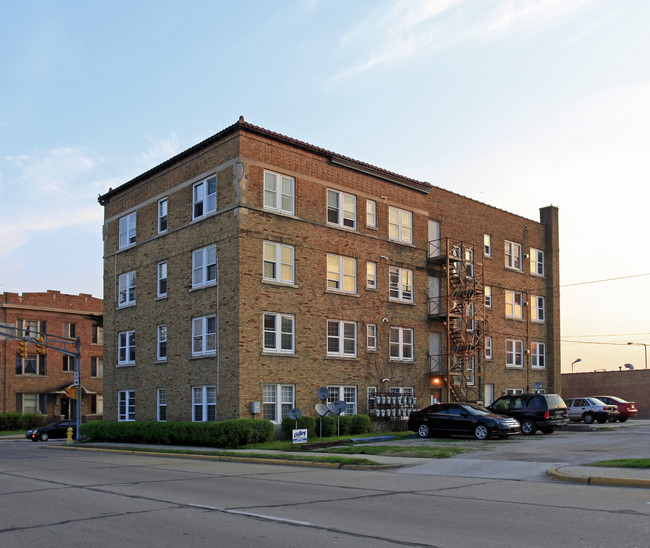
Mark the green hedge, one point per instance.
(348, 425)
(18, 421)
(224, 434)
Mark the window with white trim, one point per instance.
(487, 245)
(204, 197)
(278, 262)
(488, 296)
(341, 209)
(127, 230)
(401, 344)
(126, 405)
(161, 343)
(33, 364)
(536, 262)
(348, 394)
(537, 309)
(513, 255)
(126, 348)
(126, 289)
(162, 215)
(161, 404)
(371, 336)
(96, 366)
(538, 355)
(341, 338)
(400, 284)
(204, 266)
(371, 275)
(277, 401)
(204, 403)
(469, 312)
(514, 304)
(469, 263)
(400, 225)
(341, 274)
(161, 282)
(204, 335)
(488, 348)
(371, 213)
(31, 403)
(279, 332)
(514, 353)
(279, 192)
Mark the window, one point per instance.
(96, 404)
(278, 263)
(401, 343)
(348, 394)
(341, 209)
(488, 296)
(372, 398)
(488, 348)
(204, 197)
(341, 338)
(31, 403)
(69, 330)
(279, 192)
(400, 225)
(96, 367)
(277, 401)
(513, 255)
(487, 245)
(204, 403)
(127, 230)
(514, 302)
(279, 333)
(126, 289)
(400, 284)
(341, 274)
(126, 405)
(371, 275)
(469, 313)
(204, 335)
(33, 364)
(537, 313)
(161, 397)
(538, 355)
(469, 263)
(162, 215)
(514, 353)
(204, 266)
(536, 262)
(161, 343)
(126, 348)
(371, 336)
(97, 335)
(68, 363)
(161, 283)
(371, 213)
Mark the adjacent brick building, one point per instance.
(267, 268)
(42, 382)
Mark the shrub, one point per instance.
(307, 423)
(18, 421)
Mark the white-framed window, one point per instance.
(279, 192)
(278, 262)
(68, 363)
(32, 329)
(371, 213)
(161, 343)
(371, 336)
(348, 394)
(127, 230)
(400, 284)
(204, 403)
(126, 289)
(401, 344)
(161, 281)
(33, 364)
(470, 368)
(162, 215)
(371, 275)
(514, 353)
(279, 332)
(277, 401)
(204, 197)
(469, 263)
(513, 255)
(341, 338)
(400, 225)
(514, 304)
(204, 335)
(488, 348)
(488, 296)
(371, 392)
(96, 404)
(96, 366)
(125, 405)
(536, 262)
(537, 309)
(126, 348)
(487, 245)
(31, 403)
(161, 404)
(97, 334)
(469, 312)
(341, 209)
(341, 274)
(204, 266)
(538, 355)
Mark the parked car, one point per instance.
(53, 430)
(544, 412)
(626, 409)
(461, 418)
(590, 410)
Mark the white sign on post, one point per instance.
(300, 436)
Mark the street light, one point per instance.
(645, 348)
(575, 361)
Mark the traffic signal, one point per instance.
(22, 349)
(437, 380)
(40, 345)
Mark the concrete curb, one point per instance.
(556, 474)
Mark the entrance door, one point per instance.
(433, 238)
(488, 394)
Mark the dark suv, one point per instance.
(535, 412)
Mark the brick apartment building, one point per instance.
(43, 381)
(267, 268)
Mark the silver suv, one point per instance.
(590, 410)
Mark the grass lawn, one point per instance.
(12, 432)
(623, 463)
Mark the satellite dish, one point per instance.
(323, 393)
(295, 413)
(337, 407)
(321, 409)
(538, 385)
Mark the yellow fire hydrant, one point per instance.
(69, 434)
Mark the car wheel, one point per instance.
(623, 419)
(611, 419)
(423, 431)
(481, 432)
(44, 437)
(547, 429)
(528, 427)
(588, 418)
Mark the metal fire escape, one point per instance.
(457, 299)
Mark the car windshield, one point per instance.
(476, 409)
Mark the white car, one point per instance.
(590, 410)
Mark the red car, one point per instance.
(626, 409)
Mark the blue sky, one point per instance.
(519, 104)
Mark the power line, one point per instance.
(607, 280)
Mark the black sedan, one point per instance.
(52, 430)
(466, 419)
